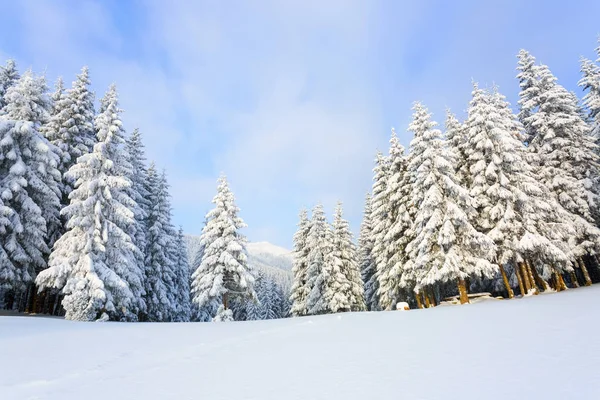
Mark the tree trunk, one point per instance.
(462, 290)
(520, 279)
(573, 276)
(511, 294)
(531, 278)
(418, 297)
(586, 274)
(526, 283)
(541, 282)
(426, 297)
(560, 282)
(431, 297)
(225, 301)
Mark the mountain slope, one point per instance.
(542, 347)
(272, 260)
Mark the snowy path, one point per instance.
(541, 347)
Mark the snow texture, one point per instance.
(437, 353)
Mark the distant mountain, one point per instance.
(272, 260)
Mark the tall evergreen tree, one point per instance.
(446, 247)
(393, 271)
(344, 251)
(380, 219)
(159, 269)
(8, 77)
(93, 263)
(29, 185)
(566, 157)
(512, 206)
(182, 268)
(299, 292)
(366, 261)
(224, 272)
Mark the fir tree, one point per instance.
(299, 292)
(93, 263)
(446, 247)
(159, 269)
(512, 206)
(182, 275)
(8, 77)
(344, 250)
(224, 271)
(29, 185)
(380, 219)
(366, 261)
(393, 268)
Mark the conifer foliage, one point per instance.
(224, 272)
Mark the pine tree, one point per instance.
(8, 77)
(380, 219)
(393, 268)
(300, 265)
(159, 269)
(446, 247)
(512, 206)
(182, 279)
(366, 261)
(29, 187)
(93, 263)
(344, 250)
(528, 82)
(566, 157)
(71, 127)
(224, 272)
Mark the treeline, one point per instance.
(85, 226)
(501, 203)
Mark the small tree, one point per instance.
(224, 271)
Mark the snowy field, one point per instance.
(543, 347)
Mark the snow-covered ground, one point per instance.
(542, 347)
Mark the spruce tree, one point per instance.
(380, 219)
(512, 206)
(8, 77)
(365, 254)
(566, 157)
(344, 250)
(29, 186)
(93, 263)
(299, 291)
(182, 269)
(159, 270)
(446, 247)
(224, 272)
(393, 268)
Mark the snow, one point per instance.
(490, 350)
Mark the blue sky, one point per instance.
(291, 99)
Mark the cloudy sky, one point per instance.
(291, 99)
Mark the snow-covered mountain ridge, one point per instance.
(264, 256)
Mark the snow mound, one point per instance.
(468, 352)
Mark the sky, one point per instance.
(290, 99)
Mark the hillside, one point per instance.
(542, 347)
(273, 260)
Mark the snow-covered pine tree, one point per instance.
(159, 270)
(224, 272)
(380, 219)
(566, 156)
(528, 82)
(512, 206)
(182, 268)
(8, 77)
(456, 140)
(139, 193)
(299, 291)
(29, 185)
(446, 247)
(365, 254)
(93, 263)
(71, 127)
(344, 250)
(393, 264)
(324, 277)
